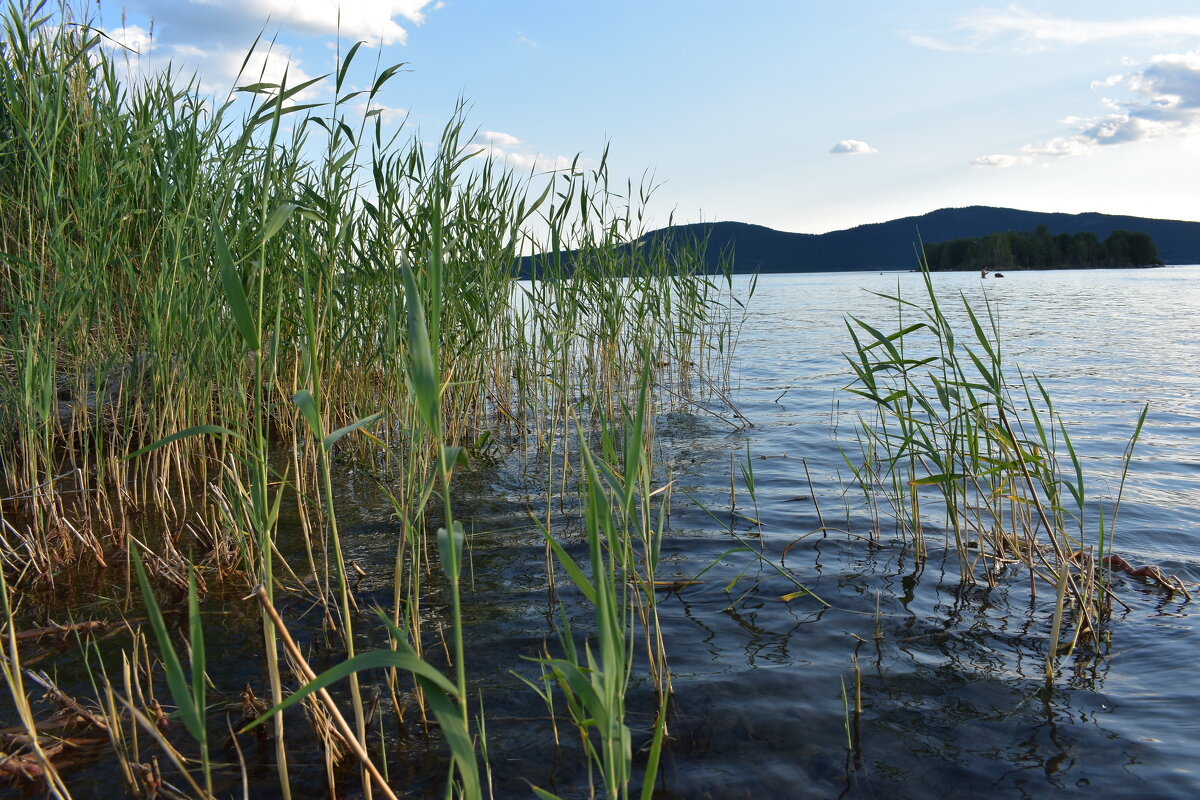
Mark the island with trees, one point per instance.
(1040, 249)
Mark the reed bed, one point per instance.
(204, 303)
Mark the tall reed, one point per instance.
(204, 302)
(949, 416)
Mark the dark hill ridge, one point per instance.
(892, 245)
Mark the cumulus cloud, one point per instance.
(1015, 29)
(369, 20)
(1111, 80)
(1162, 99)
(266, 66)
(852, 147)
(209, 37)
(508, 149)
(132, 39)
(221, 70)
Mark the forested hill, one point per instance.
(1041, 250)
(893, 244)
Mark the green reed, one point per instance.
(949, 417)
(195, 293)
(189, 696)
(623, 541)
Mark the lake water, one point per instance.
(954, 703)
(953, 695)
(954, 699)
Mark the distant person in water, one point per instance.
(983, 273)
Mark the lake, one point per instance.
(948, 675)
(954, 700)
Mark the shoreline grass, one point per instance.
(202, 303)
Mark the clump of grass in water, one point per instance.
(623, 541)
(948, 417)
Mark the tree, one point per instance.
(1042, 250)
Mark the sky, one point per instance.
(802, 116)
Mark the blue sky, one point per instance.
(804, 116)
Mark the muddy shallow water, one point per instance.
(954, 701)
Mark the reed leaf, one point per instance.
(195, 430)
(185, 701)
(235, 294)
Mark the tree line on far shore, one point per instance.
(1040, 249)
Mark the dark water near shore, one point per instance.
(954, 700)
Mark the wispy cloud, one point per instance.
(1162, 99)
(391, 117)
(852, 147)
(1001, 160)
(1016, 29)
(525, 40)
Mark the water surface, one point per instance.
(954, 700)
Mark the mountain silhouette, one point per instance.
(893, 245)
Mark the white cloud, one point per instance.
(1111, 80)
(1163, 99)
(507, 148)
(1001, 160)
(1014, 28)
(208, 39)
(388, 115)
(268, 66)
(133, 40)
(852, 147)
(1061, 146)
(220, 69)
(369, 20)
(129, 50)
(496, 139)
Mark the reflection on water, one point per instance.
(953, 698)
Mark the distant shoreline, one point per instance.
(748, 248)
(1005, 270)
